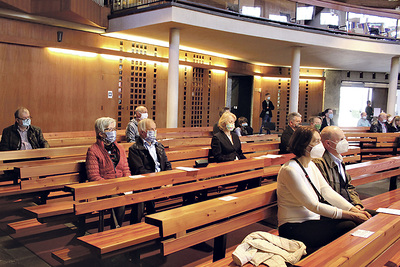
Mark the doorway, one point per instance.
(240, 90)
(353, 101)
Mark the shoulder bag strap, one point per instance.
(320, 197)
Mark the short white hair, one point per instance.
(143, 125)
(102, 123)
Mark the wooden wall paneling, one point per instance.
(255, 121)
(303, 100)
(316, 88)
(161, 82)
(185, 81)
(284, 97)
(218, 94)
(23, 5)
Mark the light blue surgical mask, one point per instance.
(330, 116)
(26, 122)
(230, 126)
(110, 137)
(151, 136)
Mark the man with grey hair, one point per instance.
(132, 127)
(332, 166)
(146, 155)
(380, 125)
(363, 121)
(294, 121)
(22, 135)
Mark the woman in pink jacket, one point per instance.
(106, 159)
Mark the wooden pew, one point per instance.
(355, 129)
(233, 172)
(213, 219)
(383, 200)
(370, 171)
(350, 250)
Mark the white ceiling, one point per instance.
(257, 42)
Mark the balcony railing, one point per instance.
(293, 12)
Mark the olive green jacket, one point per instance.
(11, 140)
(330, 171)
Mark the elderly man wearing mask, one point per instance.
(363, 122)
(380, 125)
(106, 159)
(332, 167)
(22, 135)
(146, 155)
(132, 127)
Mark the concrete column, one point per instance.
(295, 81)
(173, 79)
(393, 79)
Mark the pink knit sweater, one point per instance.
(99, 165)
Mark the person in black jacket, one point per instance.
(394, 126)
(294, 122)
(226, 146)
(380, 125)
(146, 155)
(328, 119)
(266, 113)
(22, 135)
(369, 110)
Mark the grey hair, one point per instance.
(144, 124)
(102, 123)
(291, 116)
(19, 111)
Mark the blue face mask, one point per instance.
(330, 116)
(151, 136)
(26, 122)
(110, 137)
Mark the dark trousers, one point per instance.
(117, 217)
(137, 212)
(316, 233)
(266, 119)
(252, 183)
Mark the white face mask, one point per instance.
(342, 146)
(317, 151)
(144, 116)
(268, 98)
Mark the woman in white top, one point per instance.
(303, 213)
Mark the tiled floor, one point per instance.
(14, 250)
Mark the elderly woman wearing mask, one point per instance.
(106, 159)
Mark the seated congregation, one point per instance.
(313, 192)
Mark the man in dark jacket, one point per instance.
(380, 125)
(294, 122)
(22, 135)
(146, 155)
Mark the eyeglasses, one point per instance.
(110, 129)
(29, 117)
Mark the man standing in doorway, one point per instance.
(369, 110)
(266, 113)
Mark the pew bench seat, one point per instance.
(112, 240)
(186, 226)
(71, 255)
